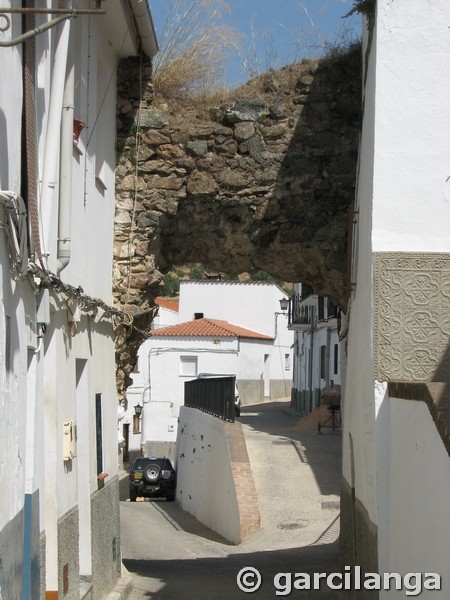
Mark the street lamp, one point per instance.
(138, 410)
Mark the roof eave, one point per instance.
(145, 25)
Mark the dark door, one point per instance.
(126, 437)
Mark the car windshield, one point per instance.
(140, 463)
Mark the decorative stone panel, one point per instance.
(412, 316)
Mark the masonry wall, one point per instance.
(262, 182)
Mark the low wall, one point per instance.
(157, 448)
(214, 478)
(251, 391)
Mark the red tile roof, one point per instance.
(208, 328)
(166, 303)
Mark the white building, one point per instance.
(167, 313)
(317, 349)
(396, 478)
(59, 515)
(224, 328)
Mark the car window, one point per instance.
(140, 463)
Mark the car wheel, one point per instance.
(133, 495)
(151, 473)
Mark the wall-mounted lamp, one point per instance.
(138, 410)
(284, 303)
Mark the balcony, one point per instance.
(301, 315)
(326, 309)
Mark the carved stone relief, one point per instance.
(412, 316)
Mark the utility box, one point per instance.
(70, 440)
(43, 307)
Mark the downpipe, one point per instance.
(49, 185)
(65, 187)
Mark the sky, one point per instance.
(276, 32)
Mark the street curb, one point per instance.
(123, 588)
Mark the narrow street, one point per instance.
(297, 475)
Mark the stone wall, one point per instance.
(264, 183)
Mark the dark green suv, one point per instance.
(152, 477)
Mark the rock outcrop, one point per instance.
(265, 183)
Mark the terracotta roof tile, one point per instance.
(166, 303)
(208, 328)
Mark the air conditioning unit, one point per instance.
(70, 440)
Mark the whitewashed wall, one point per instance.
(162, 393)
(158, 385)
(255, 306)
(358, 404)
(411, 154)
(21, 431)
(53, 506)
(165, 318)
(88, 351)
(211, 499)
(413, 492)
(402, 205)
(250, 305)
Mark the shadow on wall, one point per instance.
(443, 370)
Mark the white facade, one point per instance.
(167, 313)
(263, 367)
(58, 411)
(317, 348)
(403, 206)
(251, 305)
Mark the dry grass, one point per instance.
(194, 47)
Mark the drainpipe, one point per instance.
(311, 362)
(52, 140)
(65, 173)
(328, 357)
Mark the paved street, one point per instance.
(297, 475)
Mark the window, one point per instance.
(307, 290)
(323, 359)
(336, 359)
(99, 437)
(287, 362)
(188, 366)
(322, 309)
